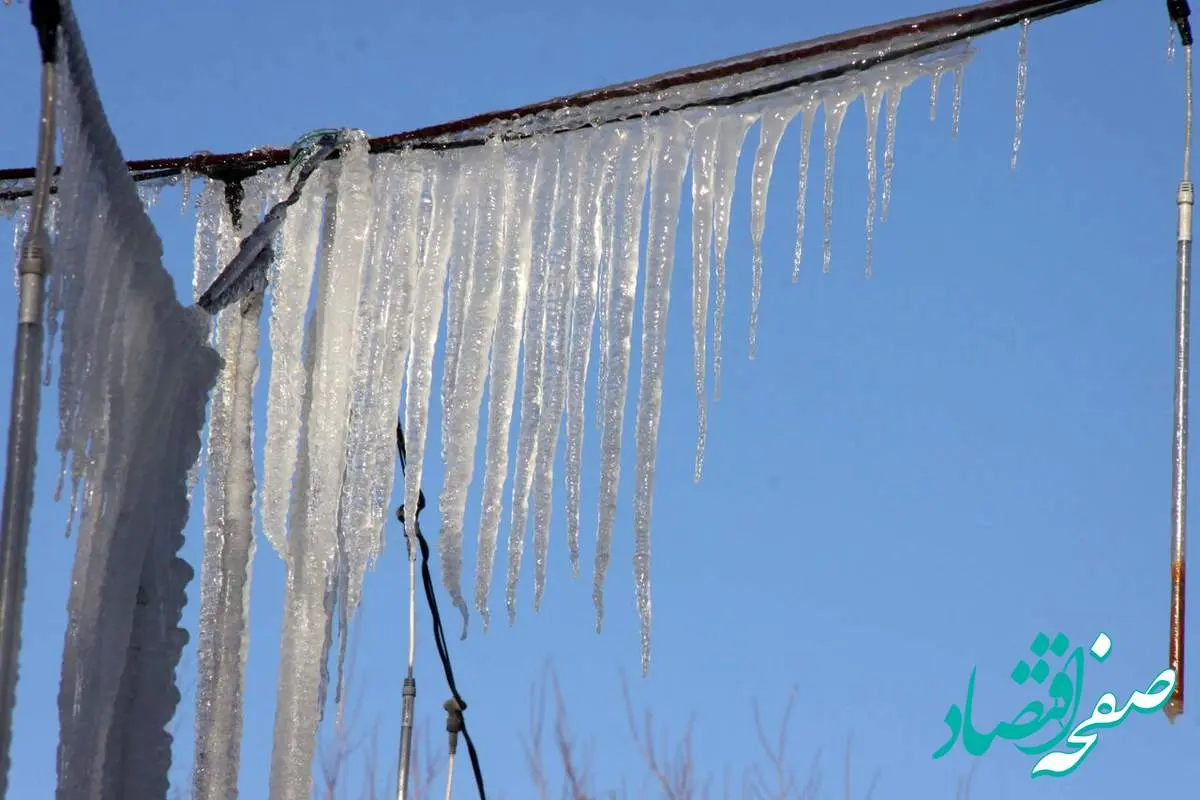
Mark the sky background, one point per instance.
(920, 472)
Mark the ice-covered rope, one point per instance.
(1179, 12)
(719, 83)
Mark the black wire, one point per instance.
(439, 635)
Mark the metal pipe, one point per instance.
(1185, 200)
(1183, 278)
(406, 731)
(23, 425)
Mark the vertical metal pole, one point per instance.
(1185, 200)
(1183, 292)
(23, 424)
(406, 730)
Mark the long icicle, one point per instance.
(666, 183)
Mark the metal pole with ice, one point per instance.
(26, 393)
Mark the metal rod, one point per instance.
(23, 425)
(943, 27)
(406, 731)
(1185, 200)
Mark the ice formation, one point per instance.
(1022, 80)
(531, 244)
(229, 542)
(527, 246)
(133, 387)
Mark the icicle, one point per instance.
(871, 102)
(634, 170)
(729, 149)
(889, 148)
(666, 183)
(459, 275)
(775, 122)
(935, 80)
(559, 307)
(607, 262)
(291, 286)
(228, 536)
(593, 240)
(703, 183)
(313, 563)
(802, 194)
(382, 354)
(835, 111)
(524, 175)
(302, 641)
(445, 190)
(479, 325)
(148, 192)
(1022, 79)
(185, 184)
(959, 72)
(549, 202)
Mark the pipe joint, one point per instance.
(1186, 199)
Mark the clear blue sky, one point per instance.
(920, 471)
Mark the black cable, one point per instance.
(439, 635)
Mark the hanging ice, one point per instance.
(666, 182)
(889, 148)
(133, 386)
(959, 73)
(526, 168)
(291, 284)
(312, 541)
(730, 136)
(370, 447)
(428, 291)
(594, 237)
(632, 174)
(1022, 80)
(479, 324)
(385, 309)
(228, 510)
(532, 373)
(802, 193)
(560, 297)
(703, 186)
(872, 101)
(835, 111)
(774, 125)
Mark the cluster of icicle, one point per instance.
(527, 247)
(133, 387)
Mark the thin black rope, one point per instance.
(439, 635)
